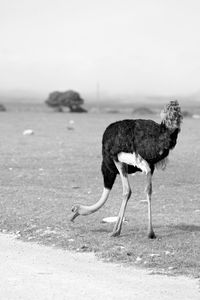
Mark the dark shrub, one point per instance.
(70, 99)
(2, 107)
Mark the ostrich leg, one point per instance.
(151, 233)
(126, 195)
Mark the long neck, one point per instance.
(89, 209)
(171, 121)
(173, 137)
(173, 134)
(171, 125)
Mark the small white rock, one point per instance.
(70, 240)
(138, 259)
(109, 220)
(112, 220)
(121, 247)
(195, 116)
(154, 254)
(28, 132)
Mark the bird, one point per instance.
(130, 146)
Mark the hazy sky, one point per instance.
(124, 46)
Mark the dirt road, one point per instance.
(29, 271)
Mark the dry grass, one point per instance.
(43, 175)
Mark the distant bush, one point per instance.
(70, 99)
(186, 114)
(2, 107)
(58, 108)
(143, 111)
(79, 109)
(112, 110)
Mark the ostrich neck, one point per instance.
(170, 125)
(89, 209)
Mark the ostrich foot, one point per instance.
(115, 233)
(151, 235)
(117, 228)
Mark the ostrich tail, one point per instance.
(171, 115)
(109, 173)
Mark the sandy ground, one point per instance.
(30, 271)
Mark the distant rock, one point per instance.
(112, 110)
(112, 219)
(28, 132)
(95, 110)
(143, 111)
(195, 116)
(71, 125)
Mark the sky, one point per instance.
(110, 47)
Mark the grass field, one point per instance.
(44, 174)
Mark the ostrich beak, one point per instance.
(74, 215)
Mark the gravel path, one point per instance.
(30, 271)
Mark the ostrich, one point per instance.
(130, 146)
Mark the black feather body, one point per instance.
(152, 141)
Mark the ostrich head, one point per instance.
(78, 210)
(75, 210)
(171, 115)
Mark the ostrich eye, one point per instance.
(74, 208)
